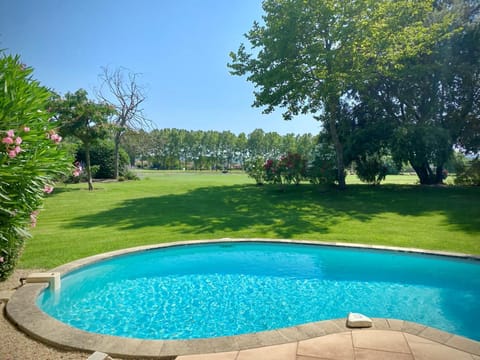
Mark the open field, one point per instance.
(172, 206)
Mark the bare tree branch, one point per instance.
(120, 89)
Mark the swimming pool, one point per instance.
(231, 288)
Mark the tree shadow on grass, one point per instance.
(297, 210)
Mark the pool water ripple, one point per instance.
(210, 290)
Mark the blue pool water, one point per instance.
(221, 289)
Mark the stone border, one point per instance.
(22, 310)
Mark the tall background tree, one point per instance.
(84, 119)
(120, 89)
(422, 109)
(310, 56)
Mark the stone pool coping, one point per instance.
(22, 310)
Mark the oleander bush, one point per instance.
(31, 156)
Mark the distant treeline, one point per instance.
(199, 150)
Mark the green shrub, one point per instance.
(102, 155)
(371, 169)
(31, 157)
(128, 175)
(469, 173)
(322, 170)
(254, 167)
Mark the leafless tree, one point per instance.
(121, 90)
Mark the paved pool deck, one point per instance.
(349, 345)
(323, 340)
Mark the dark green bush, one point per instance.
(322, 170)
(128, 175)
(371, 169)
(102, 155)
(469, 173)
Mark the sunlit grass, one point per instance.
(173, 206)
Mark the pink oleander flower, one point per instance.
(10, 133)
(7, 140)
(18, 140)
(17, 150)
(76, 172)
(48, 189)
(12, 154)
(55, 137)
(2, 259)
(26, 129)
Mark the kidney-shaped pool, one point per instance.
(231, 288)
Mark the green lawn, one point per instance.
(172, 206)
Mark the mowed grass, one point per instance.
(169, 206)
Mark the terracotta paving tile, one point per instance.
(381, 340)
(218, 356)
(331, 327)
(423, 351)
(248, 341)
(301, 357)
(418, 339)
(332, 347)
(268, 338)
(369, 354)
(413, 328)
(395, 324)
(464, 344)
(276, 352)
(436, 335)
(381, 324)
(312, 330)
(291, 334)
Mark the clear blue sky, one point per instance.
(180, 47)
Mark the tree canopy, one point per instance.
(83, 119)
(311, 56)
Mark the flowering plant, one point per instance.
(272, 171)
(290, 168)
(31, 157)
(254, 167)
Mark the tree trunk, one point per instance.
(89, 169)
(118, 136)
(332, 117)
(439, 175)
(426, 175)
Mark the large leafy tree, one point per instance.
(310, 55)
(84, 119)
(428, 104)
(461, 56)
